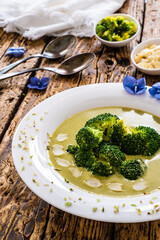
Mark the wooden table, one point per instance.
(23, 215)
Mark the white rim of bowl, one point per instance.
(117, 14)
(133, 61)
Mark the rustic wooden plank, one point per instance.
(11, 89)
(133, 231)
(75, 228)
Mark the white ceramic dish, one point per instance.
(124, 42)
(34, 167)
(140, 47)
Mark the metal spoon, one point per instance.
(70, 66)
(55, 49)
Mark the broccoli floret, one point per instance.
(102, 168)
(72, 149)
(112, 127)
(102, 121)
(107, 36)
(100, 29)
(89, 138)
(117, 132)
(116, 37)
(142, 140)
(132, 169)
(125, 26)
(111, 153)
(85, 158)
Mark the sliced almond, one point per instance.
(93, 182)
(62, 162)
(75, 171)
(61, 137)
(58, 150)
(139, 185)
(116, 187)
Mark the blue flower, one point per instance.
(134, 86)
(40, 84)
(16, 52)
(155, 90)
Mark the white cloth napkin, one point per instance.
(36, 18)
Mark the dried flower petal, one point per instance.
(15, 52)
(155, 90)
(134, 86)
(40, 84)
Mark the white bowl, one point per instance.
(124, 42)
(140, 47)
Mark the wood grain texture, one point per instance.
(23, 215)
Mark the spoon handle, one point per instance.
(13, 65)
(8, 75)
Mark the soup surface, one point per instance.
(64, 162)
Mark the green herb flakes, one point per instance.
(94, 209)
(116, 209)
(32, 137)
(48, 148)
(68, 204)
(23, 168)
(50, 164)
(102, 209)
(133, 205)
(26, 149)
(153, 198)
(48, 135)
(23, 132)
(139, 211)
(34, 181)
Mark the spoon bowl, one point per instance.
(59, 47)
(70, 66)
(55, 49)
(75, 64)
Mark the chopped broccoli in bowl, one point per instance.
(115, 28)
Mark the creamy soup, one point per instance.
(114, 185)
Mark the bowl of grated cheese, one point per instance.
(146, 56)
